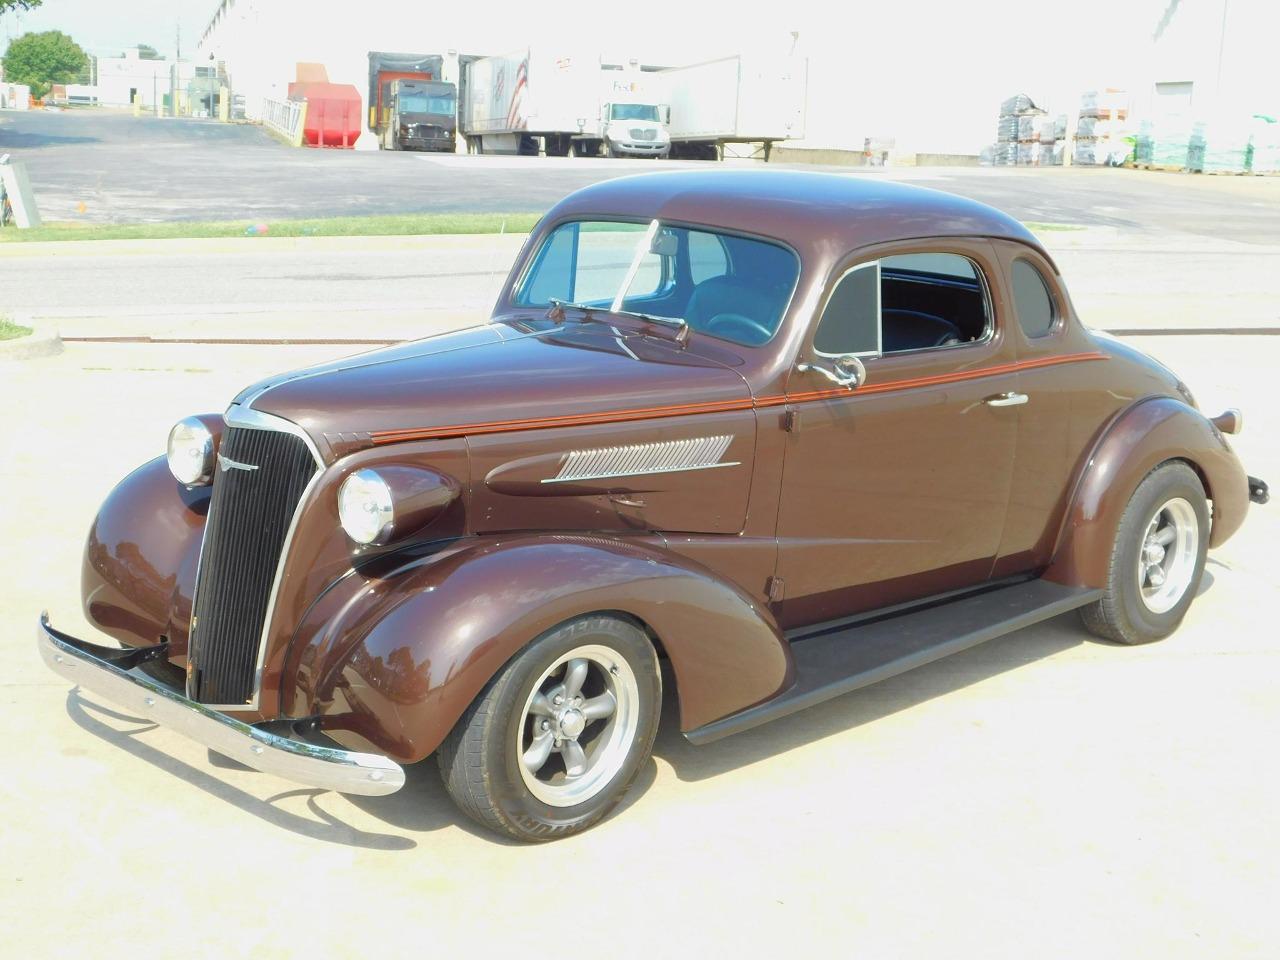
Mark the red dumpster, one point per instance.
(333, 113)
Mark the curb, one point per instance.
(187, 246)
(42, 342)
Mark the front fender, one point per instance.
(1145, 435)
(392, 659)
(140, 559)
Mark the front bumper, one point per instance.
(111, 673)
(430, 144)
(641, 148)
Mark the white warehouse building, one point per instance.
(923, 78)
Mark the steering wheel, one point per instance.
(759, 333)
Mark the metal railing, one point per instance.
(285, 118)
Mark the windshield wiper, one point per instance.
(558, 308)
(589, 315)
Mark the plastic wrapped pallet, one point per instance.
(1142, 144)
(1108, 104)
(1222, 145)
(1265, 137)
(1095, 152)
(1047, 153)
(1027, 154)
(1007, 129)
(1019, 103)
(1171, 141)
(1027, 128)
(1046, 130)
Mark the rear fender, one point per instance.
(1144, 436)
(392, 659)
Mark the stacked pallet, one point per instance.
(1026, 136)
(1102, 131)
(1014, 130)
(1266, 144)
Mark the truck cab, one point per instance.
(420, 115)
(630, 129)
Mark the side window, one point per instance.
(913, 301)
(851, 321)
(1032, 300)
(706, 256)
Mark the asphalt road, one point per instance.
(126, 169)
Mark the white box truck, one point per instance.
(742, 99)
(563, 104)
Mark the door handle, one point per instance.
(1009, 399)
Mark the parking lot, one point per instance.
(1042, 795)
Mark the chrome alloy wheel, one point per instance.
(1167, 557)
(578, 726)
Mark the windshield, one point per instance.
(422, 102)
(728, 286)
(633, 111)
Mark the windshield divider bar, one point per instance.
(632, 270)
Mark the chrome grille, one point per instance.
(260, 479)
(644, 133)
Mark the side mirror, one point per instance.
(846, 371)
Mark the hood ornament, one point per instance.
(226, 463)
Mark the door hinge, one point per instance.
(791, 421)
(773, 588)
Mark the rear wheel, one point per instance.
(556, 738)
(1157, 560)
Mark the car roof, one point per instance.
(798, 207)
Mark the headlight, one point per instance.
(191, 452)
(365, 507)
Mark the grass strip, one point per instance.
(400, 225)
(12, 331)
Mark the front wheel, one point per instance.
(556, 738)
(1157, 560)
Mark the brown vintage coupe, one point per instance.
(793, 433)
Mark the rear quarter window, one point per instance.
(1032, 300)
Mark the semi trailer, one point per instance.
(562, 104)
(741, 99)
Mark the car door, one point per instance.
(897, 489)
(1065, 409)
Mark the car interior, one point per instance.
(930, 300)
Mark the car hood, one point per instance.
(497, 377)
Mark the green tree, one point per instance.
(43, 59)
(148, 52)
(7, 5)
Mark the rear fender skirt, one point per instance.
(1144, 436)
(391, 659)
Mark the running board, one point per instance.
(835, 663)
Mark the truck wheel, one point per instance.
(609, 151)
(553, 742)
(1157, 560)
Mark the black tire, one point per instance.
(1122, 615)
(481, 760)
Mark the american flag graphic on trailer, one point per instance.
(515, 113)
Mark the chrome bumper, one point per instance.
(110, 673)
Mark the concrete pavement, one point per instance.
(1043, 795)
